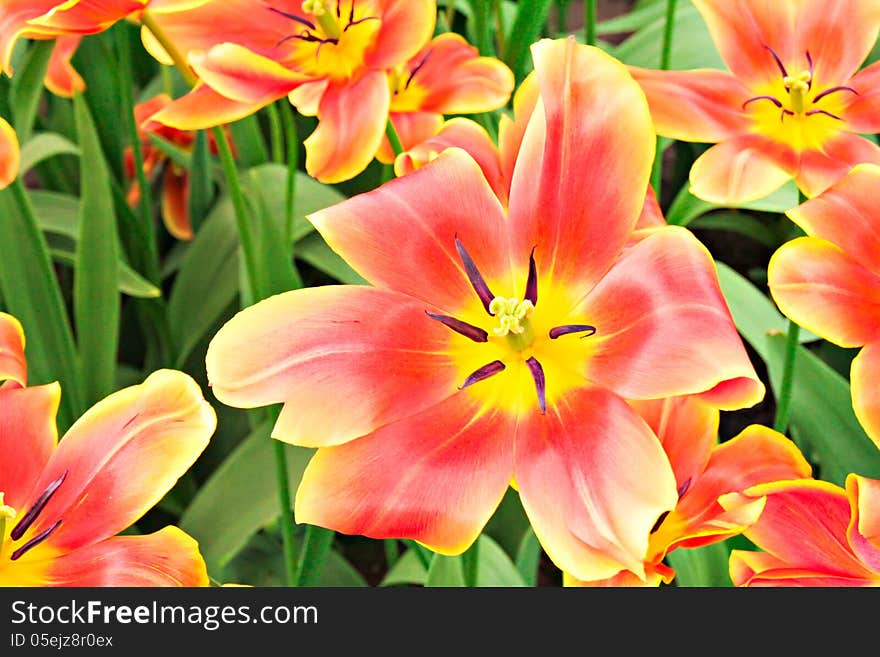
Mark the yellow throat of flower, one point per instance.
(6, 513)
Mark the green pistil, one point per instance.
(6, 513)
(325, 19)
(513, 321)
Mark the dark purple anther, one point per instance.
(684, 487)
(559, 331)
(532, 283)
(467, 330)
(779, 61)
(474, 276)
(812, 68)
(540, 384)
(36, 540)
(29, 517)
(773, 100)
(417, 69)
(818, 111)
(834, 90)
(659, 522)
(484, 372)
(299, 19)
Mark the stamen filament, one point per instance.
(474, 276)
(29, 518)
(35, 541)
(559, 331)
(833, 90)
(325, 19)
(540, 383)
(484, 372)
(467, 330)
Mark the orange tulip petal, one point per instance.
(865, 396)
(593, 480)
(757, 455)
(511, 131)
(200, 108)
(819, 170)
(351, 125)
(413, 129)
(452, 78)
(61, 78)
(307, 97)
(701, 105)
(239, 74)
(14, 15)
(663, 328)
(13, 365)
(458, 133)
(175, 203)
(307, 347)
(825, 290)
(27, 438)
(652, 214)
(804, 524)
(655, 574)
(167, 557)
(402, 235)
(761, 569)
(862, 112)
(435, 477)
(85, 16)
(688, 430)
(579, 186)
(10, 155)
(738, 170)
(864, 527)
(742, 28)
(406, 27)
(121, 457)
(846, 214)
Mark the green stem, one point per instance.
(783, 401)
(450, 13)
(311, 560)
(590, 23)
(291, 135)
(665, 60)
(499, 28)
(470, 564)
(392, 553)
(146, 202)
(562, 16)
(275, 134)
(284, 498)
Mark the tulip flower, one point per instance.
(813, 533)
(498, 346)
(67, 21)
(10, 155)
(63, 502)
(175, 179)
(446, 77)
(706, 472)
(330, 58)
(829, 282)
(791, 106)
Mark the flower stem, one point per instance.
(393, 138)
(783, 402)
(314, 554)
(287, 532)
(590, 22)
(291, 135)
(499, 28)
(275, 135)
(470, 564)
(665, 59)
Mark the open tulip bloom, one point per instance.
(829, 282)
(496, 345)
(812, 533)
(792, 104)
(63, 502)
(706, 473)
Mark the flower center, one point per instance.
(513, 321)
(318, 9)
(798, 88)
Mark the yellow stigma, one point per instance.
(513, 321)
(798, 86)
(320, 10)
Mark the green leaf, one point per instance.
(240, 498)
(44, 145)
(31, 293)
(247, 138)
(314, 250)
(445, 572)
(634, 20)
(177, 155)
(822, 416)
(96, 286)
(702, 566)
(338, 572)
(407, 570)
(739, 222)
(130, 282)
(528, 555)
(527, 28)
(686, 207)
(27, 88)
(494, 566)
(201, 185)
